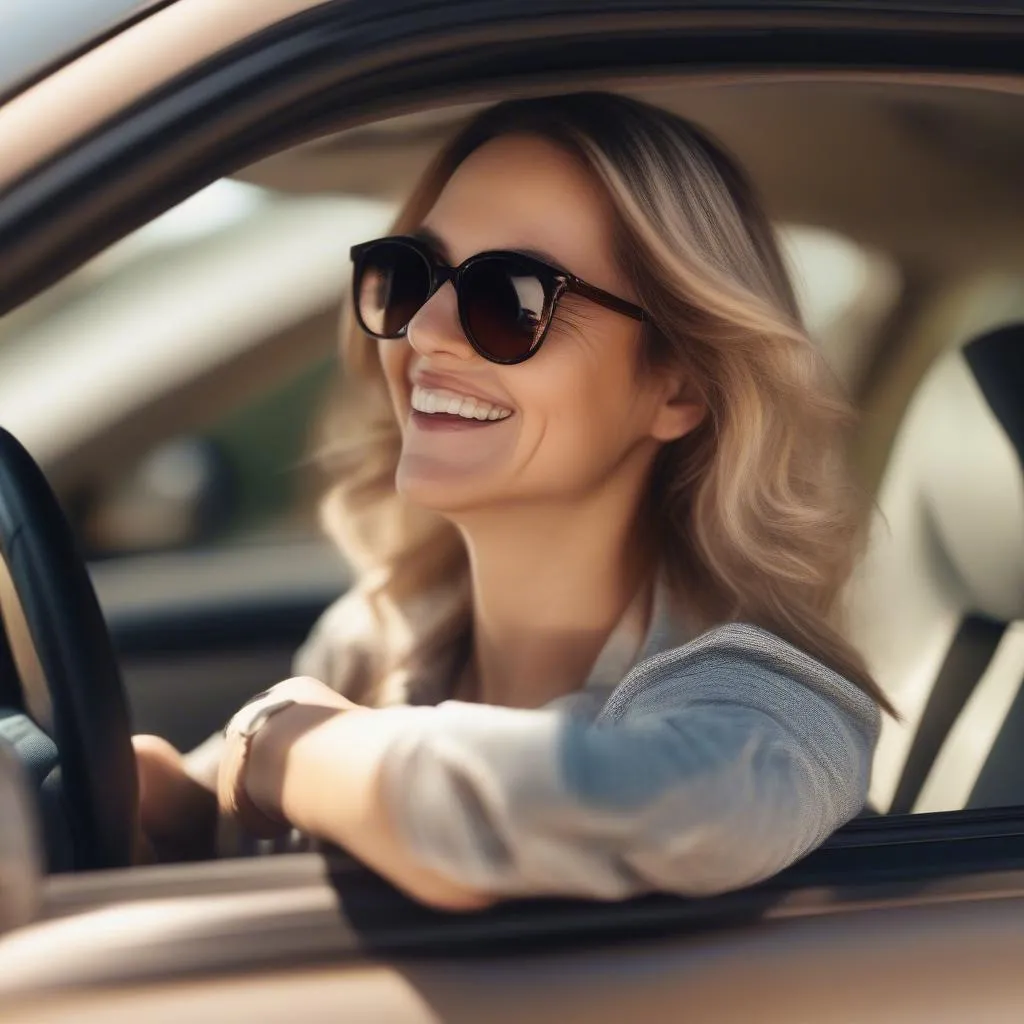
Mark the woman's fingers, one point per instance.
(177, 815)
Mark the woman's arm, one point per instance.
(320, 771)
(716, 770)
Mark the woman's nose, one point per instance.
(435, 330)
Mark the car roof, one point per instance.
(164, 67)
(37, 36)
(35, 46)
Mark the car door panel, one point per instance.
(831, 941)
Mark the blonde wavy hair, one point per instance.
(755, 513)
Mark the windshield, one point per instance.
(36, 34)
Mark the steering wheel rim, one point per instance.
(91, 724)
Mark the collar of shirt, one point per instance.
(650, 624)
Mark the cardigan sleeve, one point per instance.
(712, 767)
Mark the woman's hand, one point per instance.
(177, 815)
(315, 766)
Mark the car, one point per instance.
(887, 141)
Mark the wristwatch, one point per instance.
(246, 724)
(252, 716)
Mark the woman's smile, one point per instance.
(433, 407)
(453, 431)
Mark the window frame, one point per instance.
(289, 84)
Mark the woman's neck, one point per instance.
(549, 586)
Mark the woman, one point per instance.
(600, 516)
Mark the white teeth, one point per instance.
(429, 401)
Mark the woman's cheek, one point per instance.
(394, 356)
(394, 359)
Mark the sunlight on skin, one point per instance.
(318, 768)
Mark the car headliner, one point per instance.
(872, 157)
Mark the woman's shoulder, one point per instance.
(742, 664)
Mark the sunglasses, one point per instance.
(506, 300)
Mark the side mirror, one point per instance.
(180, 495)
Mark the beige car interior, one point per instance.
(925, 171)
(941, 593)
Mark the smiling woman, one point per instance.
(593, 481)
(569, 420)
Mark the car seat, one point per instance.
(938, 601)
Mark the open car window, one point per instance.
(205, 440)
(188, 365)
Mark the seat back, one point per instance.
(939, 598)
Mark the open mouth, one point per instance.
(440, 407)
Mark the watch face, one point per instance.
(264, 714)
(253, 716)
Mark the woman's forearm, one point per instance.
(687, 795)
(319, 769)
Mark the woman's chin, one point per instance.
(441, 488)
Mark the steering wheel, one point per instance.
(77, 751)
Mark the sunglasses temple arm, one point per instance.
(606, 299)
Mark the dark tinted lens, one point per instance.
(393, 283)
(505, 307)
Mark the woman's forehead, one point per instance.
(523, 192)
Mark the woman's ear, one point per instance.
(681, 409)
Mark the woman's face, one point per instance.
(576, 418)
